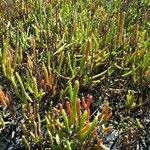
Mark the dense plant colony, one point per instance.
(102, 47)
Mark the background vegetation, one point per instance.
(52, 52)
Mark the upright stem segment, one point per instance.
(73, 98)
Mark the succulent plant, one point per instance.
(67, 127)
(47, 45)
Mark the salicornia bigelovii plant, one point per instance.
(67, 127)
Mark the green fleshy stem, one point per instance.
(49, 61)
(15, 57)
(94, 123)
(68, 146)
(26, 143)
(35, 87)
(20, 56)
(75, 93)
(15, 87)
(41, 93)
(100, 74)
(65, 46)
(66, 122)
(5, 47)
(60, 63)
(57, 139)
(35, 129)
(82, 66)
(61, 49)
(2, 123)
(127, 74)
(70, 66)
(8, 68)
(29, 82)
(96, 42)
(4, 69)
(71, 93)
(50, 136)
(83, 119)
(33, 136)
(22, 86)
(29, 88)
